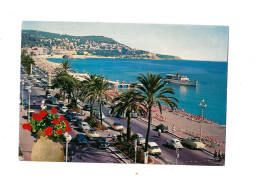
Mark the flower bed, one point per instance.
(95, 124)
(128, 149)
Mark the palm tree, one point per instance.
(100, 89)
(65, 68)
(154, 91)
(88, 92)
(129, 102)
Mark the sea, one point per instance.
(211, 76)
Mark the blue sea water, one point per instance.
(212, 77)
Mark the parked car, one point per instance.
(91, 134)
(54, 101)
(78, 121)
(49, 96)
(102, 142)
(86, 107)
(63, 109)
(140, 139)
(81, 113)
(68, 112)
(134, 115)
(80, 139)
(193, 143)
(162, 127)
(98, 115)
(174, 143)
(84, 126)
(25, 101)
(153, 148)
(117, 126)
(72, 117)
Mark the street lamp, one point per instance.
(68, 139)
(29, 91)
(22, 91)
(177, 155)
(202, 106)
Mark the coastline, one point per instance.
(98, 57)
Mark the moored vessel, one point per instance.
(179, 79)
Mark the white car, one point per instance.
(63, 109)
(140, 139)
(153, 148)
(84, 126)
(174, 143)
(98, 116)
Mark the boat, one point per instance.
(179, 79)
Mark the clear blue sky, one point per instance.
(191, 42)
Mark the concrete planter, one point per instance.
(46, 150)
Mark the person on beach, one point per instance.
(215, 155)
(219, 156)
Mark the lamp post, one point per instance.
(29, 91)
(135, 142)
(202, 106)
(68, 139)
(177, 155)
(22, 91)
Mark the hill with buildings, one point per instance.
(46, 43)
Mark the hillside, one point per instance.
(60, 44)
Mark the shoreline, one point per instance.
(97, 57)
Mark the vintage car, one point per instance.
(91, 134)
(193, 143)
(117, 126)
(153, 148)
(174, 143)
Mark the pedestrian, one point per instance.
(219, 155)
(159, 132)
(215, 155)
(71, 155)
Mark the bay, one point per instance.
(211, 76)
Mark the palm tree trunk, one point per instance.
(148, 129)
(100, 111)
(91, 111)
(128, 127)
(64, 97)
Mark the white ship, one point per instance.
(178, 79)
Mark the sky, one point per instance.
(190, 42)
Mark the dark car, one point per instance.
(86, 107)
(78, 121)
(163, 128)
(68, 112)
(80, 139)
(102, 142)
(47, 92)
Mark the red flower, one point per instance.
(53, 110)
(67, 129)
(59, 131)
(55, 121)
(67, 123)
(36, 117)
(43, 113)
(27, 126)
(48, 131)
(62, 118)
